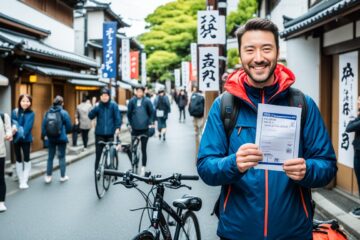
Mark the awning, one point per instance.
(86, 83)
(33, 46)
(124, 85)
(56, 72)
(316, 16)
(4, 81)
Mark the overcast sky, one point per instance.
(134, 12)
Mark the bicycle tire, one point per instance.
(99, 178)
(107, 165)
(135, 161)
(190, 226)
(145, 235)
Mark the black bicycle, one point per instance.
(109, 160)
(136, 152)
(187, 225)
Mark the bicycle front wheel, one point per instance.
(99, 176)
(190, 230)
(107, 165)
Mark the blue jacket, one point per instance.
(162, 103)
(66, 128)
(140, 117)
(262, 204)
(24, 119)
(108, 118)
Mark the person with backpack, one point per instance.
(82, 119)
(162, 109)
(108, 121)
(196, 110)
(182, 101)
(55, 126)
(23, 119)
(140, 116)
(254, 203)
(6, 134)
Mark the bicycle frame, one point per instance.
(158, 219)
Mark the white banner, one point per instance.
(209, 68)
(185, 73)
(193, 49)
(177, 78)
(211, 30)
(143, 69)
(348, 87)
(125, 59)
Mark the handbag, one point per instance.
(159, 113)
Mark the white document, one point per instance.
(277, 135)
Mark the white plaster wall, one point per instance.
(79, 26)
(303, 58)
(291, 9)
(339, 34)
(61, 37)
(232, 6)
(95, 24)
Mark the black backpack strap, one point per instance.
(297, 99)
(229, 106)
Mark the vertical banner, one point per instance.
(177, 78)
(125, 59)
(143, 69)
(209, 68)
(109, 50)
(185, 73)
(134, 64)
(193, 50)
(209, 28)
(348, 87)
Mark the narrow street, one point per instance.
(71, 210)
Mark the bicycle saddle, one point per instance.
(188, 202)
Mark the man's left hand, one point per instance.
(295, 168)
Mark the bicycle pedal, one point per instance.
(172, 223)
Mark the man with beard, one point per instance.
(263, 204)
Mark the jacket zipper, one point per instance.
(303, 202)
(227, 197)
(266, 185)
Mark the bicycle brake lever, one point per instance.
(126, 184)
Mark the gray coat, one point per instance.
(81, 114)
(5, 130)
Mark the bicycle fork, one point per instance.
(157, 218)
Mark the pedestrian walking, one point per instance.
(83, 120)
(182, 101)
(254, 203)
(354, 126)
(22, 118)
(56, 124)
(141, 117)
(5, 135)
(162, 108)
(196, 110)
(108, 121)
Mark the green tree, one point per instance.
(172, 29)
(232, 57)
(246, 9)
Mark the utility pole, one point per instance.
(210, 96)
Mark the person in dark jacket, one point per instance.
(182, 101)
(23, 119)
(255, 203)
(140, 115)
(354, 126)
(108, 121)
(58, 141)
(162, 109)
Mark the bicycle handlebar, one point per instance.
(152, 180)
(109, 143)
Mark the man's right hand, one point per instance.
(248, 156)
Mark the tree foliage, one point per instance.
(172, 28)
(245, 10)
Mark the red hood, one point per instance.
(235, 82)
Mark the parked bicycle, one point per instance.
(187, 225)
(109, 160)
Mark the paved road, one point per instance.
(71, 210)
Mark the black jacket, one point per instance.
(354, 126)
